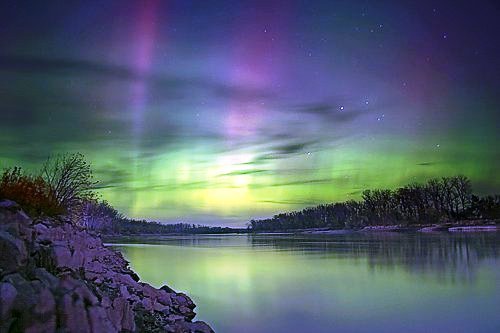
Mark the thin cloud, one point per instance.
(244, 172)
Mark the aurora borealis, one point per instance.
(219, 111)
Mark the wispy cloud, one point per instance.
(290, 202)
(245, 172)
(294, 183)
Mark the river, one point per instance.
(361, 282)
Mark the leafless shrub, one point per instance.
(70, 179)
(31, 192)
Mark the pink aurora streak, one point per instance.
(144, 38)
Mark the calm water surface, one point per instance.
(335, 283)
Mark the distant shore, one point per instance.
(462, 226)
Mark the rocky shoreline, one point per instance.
(56, 277)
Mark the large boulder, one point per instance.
(14, 254)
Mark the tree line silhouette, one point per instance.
(444, 200)
(65, 186)
(102, 217)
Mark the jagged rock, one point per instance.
(121, 314)
(56, 276)
(98, 320)
(45, 312)
(8, 295)
(46, 303)
(183, 299)
(46, 278)
(13, 220)
(14, 254)
(9, 205)
(26, 295)
(167, 289)
(73, 313)
(165, 299)
(198, 327)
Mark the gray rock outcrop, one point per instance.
(56, 277)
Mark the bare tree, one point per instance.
(99, 215)
(70, 178)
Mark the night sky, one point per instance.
(219, 111)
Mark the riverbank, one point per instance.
(464, 226)
(57, 277)
(460, 226)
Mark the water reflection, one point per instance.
(448, 256)
(330, 283)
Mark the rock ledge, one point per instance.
(56, 277)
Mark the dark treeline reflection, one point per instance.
(450, 257)
(447, 256)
